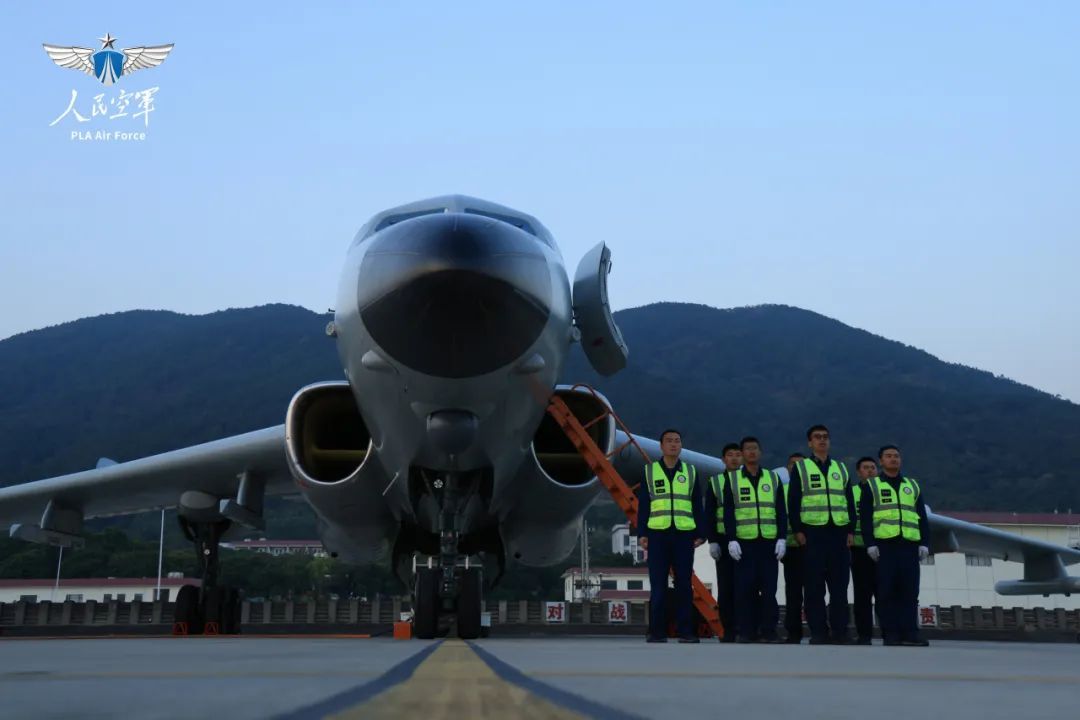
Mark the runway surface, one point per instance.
(314, 677)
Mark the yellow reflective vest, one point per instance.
(671, 502)
(823, 495)
(717, 482)
(894, 511)
(755, 508)
(856, 491)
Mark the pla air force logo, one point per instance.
(108, 64)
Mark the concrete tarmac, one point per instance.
(609, 677)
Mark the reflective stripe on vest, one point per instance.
(716, 482)
(671, 501)
(856, 491)
(755, 509)
(823, 496)
(894, 512)
(791, 541)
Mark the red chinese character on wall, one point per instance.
(618, 612)
(554, 612)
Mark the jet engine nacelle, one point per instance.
(332, 458)
(555, 486)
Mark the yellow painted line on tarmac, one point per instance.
(455, 683)
(815, 675)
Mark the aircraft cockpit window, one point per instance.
(395, 219)
(515, 221)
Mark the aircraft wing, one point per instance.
(235, 471)
(1044, 563)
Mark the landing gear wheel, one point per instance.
(187, 609)
(231, 612)
(214, 611)
(426, 603)
(468, 604)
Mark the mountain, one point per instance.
(136, 383)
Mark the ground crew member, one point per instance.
(823, 518)
(671, 523)
(863, 569)
(897, 536)
(793, 568)
(755, 518)
(714, 512)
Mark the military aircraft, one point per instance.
(453, 320)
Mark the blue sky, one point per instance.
(908, 168)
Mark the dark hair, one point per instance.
(887, 447)
(670, 430)
(800, 456)
(865, 458)
(814, 428)
(749, 439)
(728, 448)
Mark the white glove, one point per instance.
(781, 548)
(924, 552)
(874, 553)
(714, 550)
(734, 550)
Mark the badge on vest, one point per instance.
(661, 486)
(907, 491)
(765, 487)
(836, 476)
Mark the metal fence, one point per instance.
(504, 612)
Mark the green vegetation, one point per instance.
(142, 382)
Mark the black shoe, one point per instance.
(915, 643)
(769, 640)
(840, 641)
(728, 638)
(891, 643)
(863, 641)
(656, 639)
(794, 639)
(691, 639)
(819, 640)
(743, 640)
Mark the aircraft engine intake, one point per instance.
(556, 456)
(325, 434)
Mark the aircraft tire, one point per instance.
(187, 609)
(468, 604)
(230, 612)
(426, 603)
(214, 608)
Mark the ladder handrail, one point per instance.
(621, 493)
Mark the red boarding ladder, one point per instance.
(624, 497)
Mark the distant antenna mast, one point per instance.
(586, 574)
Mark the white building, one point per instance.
(967, 580)
(279, 547)
(623, 542)
(83, 589)
(606, 583)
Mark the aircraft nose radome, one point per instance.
(454, 295)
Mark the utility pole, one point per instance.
(586, 573)
(56, 585)
(160, 554)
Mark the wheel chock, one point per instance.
(403, 630)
